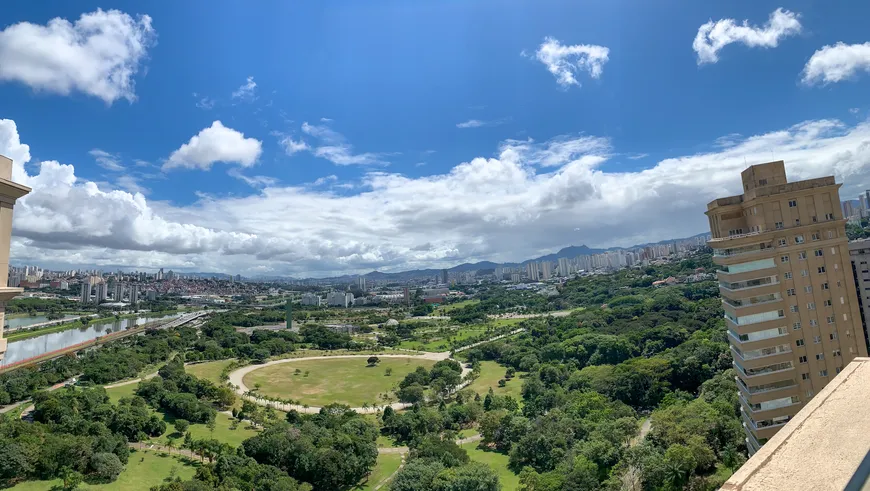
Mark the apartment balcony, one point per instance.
(735, 277)
(765, 414)
(743, 307)
(757, 344)
(725, 257)
(763, 361)
(761, 431)
(755, 326)
(746, 291)
(751, 443)
(765, 378)
(755, 396)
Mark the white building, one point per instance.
(546, 270)
(339, 299)
(311, 299)
(564, 267)
(102, 295)
(361, 283)
(85, 292)
(532, 271)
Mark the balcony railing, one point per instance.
(761, 353)
(765, 424)
(768, 370)
(759, 409)
(764, 388)
(748, 284)
(750, 301)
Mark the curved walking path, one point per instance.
(236, 379)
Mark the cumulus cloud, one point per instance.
(550, 194)
(333, 147)
(567, 61)
(246, 90)
(217, 143)
(837, 63)
(290, 145)
(98, 55)
(713, 36)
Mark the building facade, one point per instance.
(787, 290)
(9, 192)
(859, 254)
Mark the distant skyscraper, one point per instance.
(119, 291)
(532, 271)
(361, 283)
(160, 274)
(444, 276)
(546, 270)
(85, 295)
(134, 294)
(101, 293)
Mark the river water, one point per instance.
(12, 324)
(26, 348)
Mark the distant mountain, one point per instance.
(570, 252)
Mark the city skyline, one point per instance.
(522, 143)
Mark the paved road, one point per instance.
(515, 331)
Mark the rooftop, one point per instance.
(822, 446)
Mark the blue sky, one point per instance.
(374, 94)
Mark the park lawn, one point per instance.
(446, 309)
(505, 322)
(223, 431)
(118, 393)
(490, 373)
(386, 465)
(442, 342)
(497, 462)
(342, 380)
(143, 470)
(210, 370)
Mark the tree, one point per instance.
(475, 476)
(106, 466)
(211, 426)
(181, 425)
(373, 360)
(388, 371)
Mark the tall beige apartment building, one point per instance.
(787, 290)
(9, 192)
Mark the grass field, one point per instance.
(441, 342)
(490, 373)
(144, 469)
(118, 393)
(343, 380)
(498, 462)
(504, 322)
(210, 370)
(386, 466)
(446, 309)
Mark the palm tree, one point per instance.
(170, 442)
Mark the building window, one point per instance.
(805, 273)
(815, 219)
(833, 251)
(818, 253)
(833, 336)
(815, 234)
(797, 221)
(808, 289)
(778, 225)
(787, 275)
(762, 182)
(838, 369)
(805, 376)
(823, 373)
(789, 292)
(796, 326)
(814, 322)
(828, 302)
(822, 270)
(802, 255)
(799, 342)
(845, 317)
(798, 239)
(782, 242)
(794, 309)
(802, 359)
(792, 203)
(811, 306)
(831, 232)
(783, 259)
(829, 216)
(836, 352)
(825, 286)
(810, 393)
(817, 340)
(830, 319)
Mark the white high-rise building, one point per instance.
(85, 292)
(546, 270)
(532, 271)
(361, 283)
(564, 267)
(101, 293)
(134, 294)
(310, 299)
(338, 299)
(119, 291)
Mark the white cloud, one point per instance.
(566, 61)
(253, 181)
(837, 63)
(97, 55)
(326, 120)
(216, 143)
(131, 184)
(638, 156)
(335, 148)
(854, 110)
(320, 181)
(713, 36)
(246, 90)
(204, 102)
(107, 160)
(477, 123)
(290, 145)
(530, 198)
